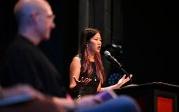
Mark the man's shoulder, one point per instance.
(20, 45)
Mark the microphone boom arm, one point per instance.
(108, 54)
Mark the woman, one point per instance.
(86, 69)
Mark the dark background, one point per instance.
(146, 29)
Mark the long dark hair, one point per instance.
(86, 67)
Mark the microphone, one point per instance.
(108, 55)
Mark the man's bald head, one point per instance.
(25, 8)
(35, 19)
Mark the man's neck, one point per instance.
(35, 40)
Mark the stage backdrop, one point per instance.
(146, 30)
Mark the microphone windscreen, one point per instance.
(107, 53)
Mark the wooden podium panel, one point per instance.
(154, 96)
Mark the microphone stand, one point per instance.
(120, 66)
(108, 54)
(123, 70)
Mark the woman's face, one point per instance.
(95, 43)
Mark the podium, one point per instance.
(153, 96)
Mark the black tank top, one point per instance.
(91, 87)
(88, 89)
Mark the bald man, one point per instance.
(25, 63)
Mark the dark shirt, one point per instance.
(88, 89)
(26, 64)
(91, 87)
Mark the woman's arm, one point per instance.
(75, 67)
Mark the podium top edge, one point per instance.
(161, 84)
(152, 84)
